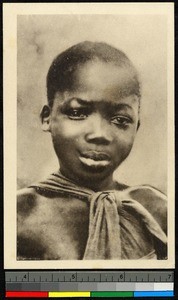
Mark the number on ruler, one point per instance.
(73, 276)
(169, 276)
(24, 277)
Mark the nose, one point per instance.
(98, 131)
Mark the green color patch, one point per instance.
(112, 294)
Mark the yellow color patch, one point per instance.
(68, 294)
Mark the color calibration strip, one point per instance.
(89, 294)
(89, 284)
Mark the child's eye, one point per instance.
(77, 113)
(121, 121)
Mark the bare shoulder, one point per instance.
(153, 200)
(28, 237)
(26, 201)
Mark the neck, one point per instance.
(102, 185)
(92, 184)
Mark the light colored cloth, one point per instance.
(118, 224)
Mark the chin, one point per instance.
(95, 170)
(94, 174)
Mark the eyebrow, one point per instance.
(122, 105)
(91, 102)
(80, 101)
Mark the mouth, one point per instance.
(95, 159)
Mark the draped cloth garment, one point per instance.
(110, 212)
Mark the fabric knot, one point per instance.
(104, 240)
(104, 230)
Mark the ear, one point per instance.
(45, 118)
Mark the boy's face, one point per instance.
(92, 129)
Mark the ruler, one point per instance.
(87, 276)
(89, 284)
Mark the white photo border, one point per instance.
(10, 13)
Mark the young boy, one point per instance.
(80, 212)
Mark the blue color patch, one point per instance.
(154, 294)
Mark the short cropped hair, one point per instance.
(61, 74)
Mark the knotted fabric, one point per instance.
(107, 208)
(104, 230)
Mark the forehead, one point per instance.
(102, 82)
(101, 77)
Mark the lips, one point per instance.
(95, 159)
(96, 155)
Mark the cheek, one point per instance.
(66, 129)
(65, 136)
(123, 144)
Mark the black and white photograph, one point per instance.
(89, 135)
